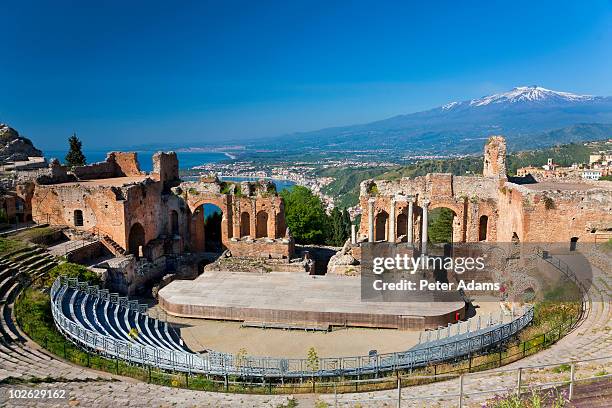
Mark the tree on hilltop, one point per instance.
(75, 156)
(305, 215)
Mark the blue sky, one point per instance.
(128, 73)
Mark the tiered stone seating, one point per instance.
(18, 357)
(589, 340)
(108, 318)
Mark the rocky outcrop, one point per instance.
(14, 147)
(343, 262)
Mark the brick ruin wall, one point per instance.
(117, 164)
(166, 211)
(100, 207)
(253, 222)
(469, 197)
(534, 213)
(555, 215)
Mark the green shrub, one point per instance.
(72, 270)
(373, 190)
(563, 368)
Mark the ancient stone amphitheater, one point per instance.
(24, 364)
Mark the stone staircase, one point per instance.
(112, 246)
(108, 242)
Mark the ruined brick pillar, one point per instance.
(410, 235)
(495, 157)
(424, 229)
(391, 234)
(371, 220)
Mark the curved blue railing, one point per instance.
(218, 363)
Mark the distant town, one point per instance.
(301, 173)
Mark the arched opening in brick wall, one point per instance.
(245, 224)
(402, 227)
(381, 223)
(213, 217)
(261, 227)
(78, 218)
(281, 227)
(136, 239)
(440, 225)
(573, 243)
(483, 226)
(174, 223)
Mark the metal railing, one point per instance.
(75, 245)
(224, 364)
(519, 385)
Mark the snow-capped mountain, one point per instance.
(521, 114)
(533, 94)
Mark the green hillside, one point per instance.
(345, 187)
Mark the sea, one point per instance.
(187, 160)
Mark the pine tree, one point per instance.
(346, 222)
(441, 225)
(75, 156)
(336, 237)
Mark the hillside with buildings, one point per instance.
(584, 160)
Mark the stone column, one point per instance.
(391, 232)
(371, 220)
(409, 235)
(353, 234)
(424, 228)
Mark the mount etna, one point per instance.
(529, 116)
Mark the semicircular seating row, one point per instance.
(111, 319)
(20, 358)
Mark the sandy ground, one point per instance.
(200, 334)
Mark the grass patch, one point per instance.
(40, 236)
(535, 399)
(563, 368)
(10, 245)
(71, 270)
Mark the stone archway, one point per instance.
(401, 229)
(573, 243)
(208, 229)
(453, 209)
(483, 228)
(136, 239)
(245, 224)
(197, 228)
(261, 224)
(381, 226)
(174, 222)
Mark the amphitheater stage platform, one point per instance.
(281, 297)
